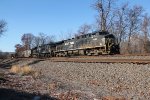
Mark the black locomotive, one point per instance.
(96, 43)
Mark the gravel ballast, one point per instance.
(131, 81)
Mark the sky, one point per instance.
(53, 17)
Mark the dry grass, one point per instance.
(26, 69)
(15, 69)
(21, 70)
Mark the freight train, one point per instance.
(95, 43)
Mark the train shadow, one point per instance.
(11, 94)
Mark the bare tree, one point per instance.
(27, 40)
(134, 18)
(18, 47)
(70, 34)
(145, 30)
(36, 41)
(104, 9)
(2, 27)
(50, 39)
(42, 39)
(120, 25)
(84, 29)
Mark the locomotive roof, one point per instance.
(100, 32)
(93, 33)
(110, 35)
(103, 33)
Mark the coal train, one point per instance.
(95, 43)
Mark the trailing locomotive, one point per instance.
(95, 43)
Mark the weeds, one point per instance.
(15, 69)
(24, 70)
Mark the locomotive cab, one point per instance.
(111, 44)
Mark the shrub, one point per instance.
(15, 69)
(25, 70)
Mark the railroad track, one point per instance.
(99, 60)
(95, 59)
